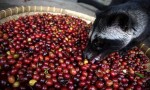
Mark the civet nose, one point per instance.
(87, 55)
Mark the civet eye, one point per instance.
(98, 44)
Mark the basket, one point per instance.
(15, 13)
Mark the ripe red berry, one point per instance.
(99, 84)
(49, 82)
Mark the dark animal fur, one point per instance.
(118, 27)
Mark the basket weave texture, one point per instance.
(14, 13)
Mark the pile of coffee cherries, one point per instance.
(44, 52)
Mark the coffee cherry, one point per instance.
(49, 82)
(32, 82)
(16, 84)
(99, 84)
(109, 83)
(11, 79)
(73, 72)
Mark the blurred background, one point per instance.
(66, 4)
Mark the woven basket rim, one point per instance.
(42, 9)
